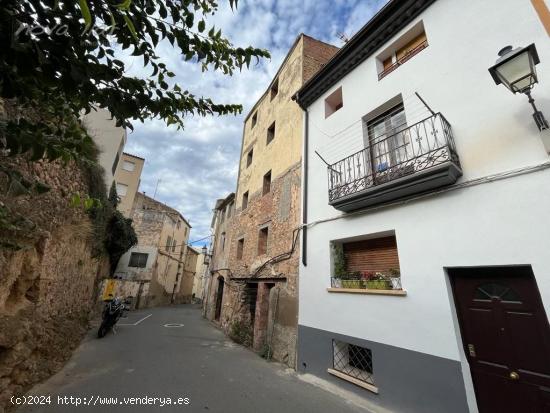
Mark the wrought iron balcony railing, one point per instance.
(407, 152)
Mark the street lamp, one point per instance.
(515, 69)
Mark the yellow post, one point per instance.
(109, 289)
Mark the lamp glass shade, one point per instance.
(518, 73)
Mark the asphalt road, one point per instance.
(146, 359)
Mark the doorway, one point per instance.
(219, 298)
(506, 337)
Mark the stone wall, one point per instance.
(48, 277)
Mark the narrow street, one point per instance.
(146, 358)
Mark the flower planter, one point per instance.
(354, 284)
(378, 285)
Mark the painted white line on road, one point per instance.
(173, 325)
(137, 322)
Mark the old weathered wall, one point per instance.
(47, 277)
(260, 288)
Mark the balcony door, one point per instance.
(388, 142)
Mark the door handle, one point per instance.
(514, 376)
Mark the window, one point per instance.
(174, 245)
(138, 259)
(222, 241)
(267, 183)
(185, 231)
(270, 133)
(334, 102)
(254, 120)
(249, 158)
(128, 166)
(178, 224)
(121, 189)
(245, 200)
(410, 44)
(370, 263)
(168, 246)
(274, 88)
(222, 215)
(240, 248)
(390, 145)
(229, 209)
(262, 241)
(353, 361)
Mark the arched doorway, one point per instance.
(219, 298)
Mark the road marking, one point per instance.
(137, 322)
(173, 325)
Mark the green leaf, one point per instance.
(125, 5)
(130, 26)
(201, 26)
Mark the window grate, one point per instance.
(355, 361)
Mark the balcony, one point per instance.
(412, 160)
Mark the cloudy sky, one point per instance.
(198, 165)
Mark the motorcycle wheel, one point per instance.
(102, 330)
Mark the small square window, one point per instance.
(240, 248)
(267, 183)
(270, 133)
(138, 259)
(245, 200)
(334, 102)
(275, 88)
(254, 120)
(128, 166)
(249, 158)
(262, 241)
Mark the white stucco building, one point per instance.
(109, 138)
(420, 171)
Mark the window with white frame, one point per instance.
(121, 189)
(128, 166)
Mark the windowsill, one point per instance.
(353, 380)
(367, 291)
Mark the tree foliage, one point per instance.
(60, 58)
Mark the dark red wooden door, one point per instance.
(506, 338)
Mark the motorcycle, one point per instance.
(112, 311)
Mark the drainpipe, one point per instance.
(304, 192)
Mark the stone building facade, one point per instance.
(254, 276)
(157, 263)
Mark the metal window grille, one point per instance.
(355, 361)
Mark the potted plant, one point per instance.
(395, 278)
(339, 265)
(353, 280)
(377, 281)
